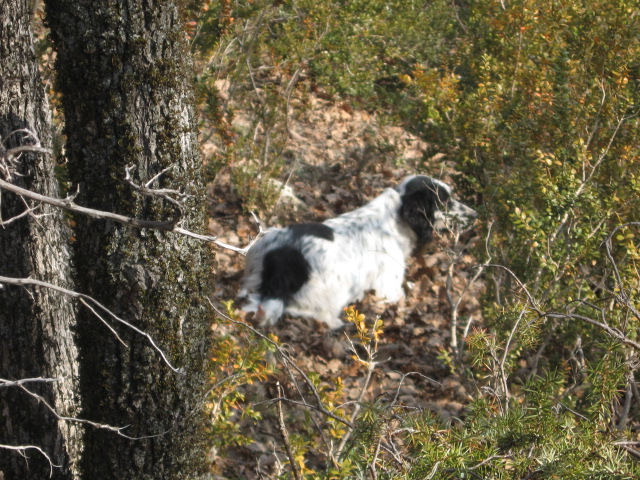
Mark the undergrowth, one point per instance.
(535, 104)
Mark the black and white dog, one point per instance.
(316, 269)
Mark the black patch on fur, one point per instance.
(285, 271)
(319, 230)
(426, 184)
(421, 199)
(418, 211)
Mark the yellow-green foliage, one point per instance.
(236, 361)
(539, 108)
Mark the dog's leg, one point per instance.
(388, 286)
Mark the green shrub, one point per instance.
(539, 110)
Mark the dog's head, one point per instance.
(427, 205)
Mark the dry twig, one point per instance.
(87, 301)
(8, 157)
(285, 435)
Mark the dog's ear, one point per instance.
(418, 210)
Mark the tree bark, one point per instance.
(124, 74)
(36, 325)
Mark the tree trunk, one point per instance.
(35, 324)
(124, 74)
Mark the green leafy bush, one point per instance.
(539, 109)
(236, 361)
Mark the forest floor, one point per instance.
(341, 160)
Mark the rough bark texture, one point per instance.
(124, 76)
(35, 324)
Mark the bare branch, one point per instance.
(285, 435)
(9, 157)
(86, 299)
(59, 417)
(22, 381)
(404, 377)
(167, 226)
(69, 204)
(455, 254)
(371, 365)
(21, 385)
(166, 193)
(488, 459)
(20, 130)
(632, 451)
(372, 463)
(22, 450)
(310, 406)
(524, 288)
(505, 354)
(115, 334)
(8, 154)
(15, 151)
(614, 332)
(29, 211)
(622, 297)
